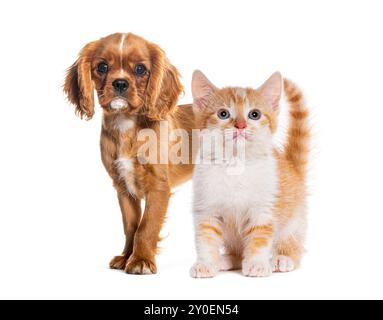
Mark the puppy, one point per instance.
(137, 87)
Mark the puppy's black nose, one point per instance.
(120, 85)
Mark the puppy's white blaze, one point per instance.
(122, 41)
(118, 103)
(125, 169)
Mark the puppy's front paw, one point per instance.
(256, 268)
(140, 266)
(203, 270)
(118, 262)
(283, 264)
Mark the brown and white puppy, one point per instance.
(137, 87)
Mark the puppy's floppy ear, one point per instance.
(78, 84)
(164, 85)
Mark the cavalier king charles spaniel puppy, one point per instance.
(137, 87)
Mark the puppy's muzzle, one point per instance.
(120, 86)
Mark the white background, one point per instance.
(59, 218)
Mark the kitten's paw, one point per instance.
(203, 270)
(283, 264)
(230, 262)
(256, 268)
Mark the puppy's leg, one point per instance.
(142, 261)
(130, 207)
(131, 216)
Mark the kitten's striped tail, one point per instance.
(297, 146)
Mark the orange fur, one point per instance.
(249, 239)
(258, 242)
(209, 228)
(266, 230)
(292, 164)
(297, 148)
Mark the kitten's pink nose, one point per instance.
(241, 125)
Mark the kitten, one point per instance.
(252, 218)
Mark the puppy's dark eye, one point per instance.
(223, 114)
(140, 69)
(102, 67)
(255, 114)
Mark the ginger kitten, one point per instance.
(249, 207)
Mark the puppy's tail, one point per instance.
(298, 142)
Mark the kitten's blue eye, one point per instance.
(223, 114)
(255, 114)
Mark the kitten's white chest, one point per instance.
(236, 187)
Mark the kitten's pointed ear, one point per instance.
(202, 89)
(271, 90)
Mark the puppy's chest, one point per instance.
(239, 185)
(126, 162)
